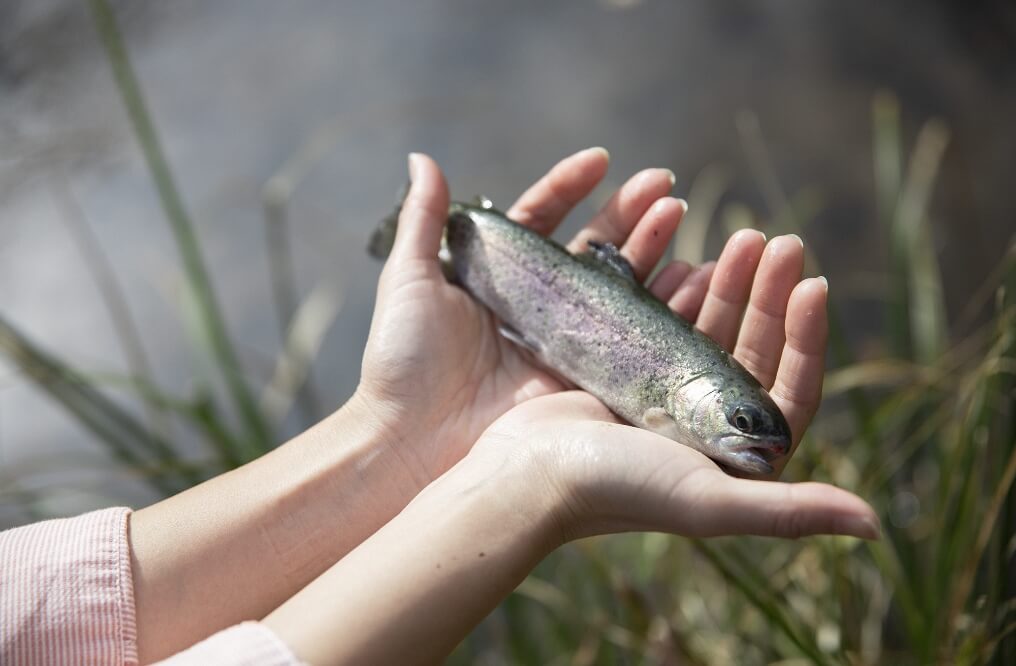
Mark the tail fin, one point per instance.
(383, 238)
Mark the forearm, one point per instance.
(414, 589)
(237, 546)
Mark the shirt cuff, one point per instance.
(66, 593)
(246, 644)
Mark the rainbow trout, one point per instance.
(588, 319)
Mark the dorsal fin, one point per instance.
(611, 256)
(483, 202)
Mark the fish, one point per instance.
(588, 319)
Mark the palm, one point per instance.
(614, 478)
(455, 358)
(431, 344)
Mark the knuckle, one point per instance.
(788, 524)
(787, 520)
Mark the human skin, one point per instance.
(237, 546)
(436, 375)
(560, 466)
(553, 469)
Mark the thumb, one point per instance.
(788, 510)
(424, 211)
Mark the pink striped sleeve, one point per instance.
(246, 644)
(66, 594)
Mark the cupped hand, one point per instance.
(438, 373)
(753, 302)
(598, 476)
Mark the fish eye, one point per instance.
(746, 418)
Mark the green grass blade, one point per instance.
(127, 332)
(888, 170)
(925, 298)
(126, 439)
(704, 196)
(259, 438)
(200, 412)
(280, 271)
(749, 130)
(1003, 595)
(762, 601)
(965, 581)
(301, 344)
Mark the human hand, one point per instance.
(555, 468)
(758, 308)
(435, 368)
(438, 372)
(599, 476)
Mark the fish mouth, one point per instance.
(755, 454)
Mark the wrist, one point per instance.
(411, 438)
(412, 590)
(510, 492)
(380, 429)
(350, 463)
(565, 465)
(512, 489)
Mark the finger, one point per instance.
(651, 235)
(760, 342)
(798, 386)
(729, 289)
(687, 300)
(724, 505)
(669, 279)
(424, 212)
(546, 203)
(623, 210)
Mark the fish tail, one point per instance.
(383, 238)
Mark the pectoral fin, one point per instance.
(519, 339)
(656, 418)
(659, 421)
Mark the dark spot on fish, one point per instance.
(438, 566)
(482, 553)
(656, 232)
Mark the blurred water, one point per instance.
(497, 92)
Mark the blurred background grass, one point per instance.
(150, 347)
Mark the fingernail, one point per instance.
(764, 237)
(414, 161)
(684, 205)
(864, 527)
(661, 205)
(825, 282)
(672, 177)
(743, 235)
(798, 238)
(602, 150)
